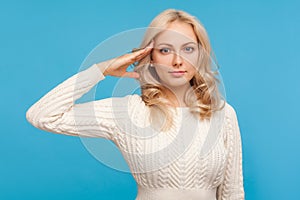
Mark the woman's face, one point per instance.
(175, 54)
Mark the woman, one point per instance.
(167, 135)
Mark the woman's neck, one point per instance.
(176, 95)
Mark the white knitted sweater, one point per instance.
(167, 165)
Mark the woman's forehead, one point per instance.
(174, 38)
(177, 32)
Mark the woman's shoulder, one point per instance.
(138, 111)
(227, 110)
(129, 103)
(136, 104)
(230, 113)
(135, 99)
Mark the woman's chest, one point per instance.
(174, 167)
(186, 148)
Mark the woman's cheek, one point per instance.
(191, 59)
(163, 59)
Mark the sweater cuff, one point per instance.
(95, 73)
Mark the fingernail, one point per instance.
(151, 44)
(135, 49)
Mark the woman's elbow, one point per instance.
(34, 118)
(30, 117)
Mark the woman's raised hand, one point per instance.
(118, 66)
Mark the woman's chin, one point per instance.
(182, 84)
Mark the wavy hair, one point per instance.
(203, 98)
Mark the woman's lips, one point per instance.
(177, 73)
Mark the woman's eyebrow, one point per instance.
(181, 45)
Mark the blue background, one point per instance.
(44, 42)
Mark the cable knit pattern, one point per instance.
(159, 164)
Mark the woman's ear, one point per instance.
(151, 63)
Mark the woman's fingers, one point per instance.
(132, 58)
(119, 65)
(140, 54)
(131, 75)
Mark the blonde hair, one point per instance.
(203, 98)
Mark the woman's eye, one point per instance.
(165, 50)
(189, 49)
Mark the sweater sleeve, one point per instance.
(232, 187)
(56, 111)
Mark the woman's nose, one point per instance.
(177, 60)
